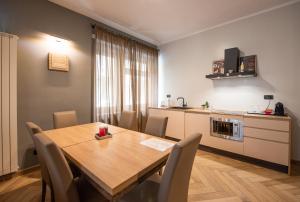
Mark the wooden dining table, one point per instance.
(113, 165)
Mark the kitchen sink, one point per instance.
(177, 107)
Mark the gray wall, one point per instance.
(40, 91)
(272, 36)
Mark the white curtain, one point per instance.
(125, 77)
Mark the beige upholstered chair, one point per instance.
(156, 126)
(64, 119)
(33, 130)
(66, 189)
(173, 185)
(127, 119)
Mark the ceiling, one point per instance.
(163, 21)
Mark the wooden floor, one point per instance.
(214, 178)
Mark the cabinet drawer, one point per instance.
(280, 125)
(266, 150)
(224, 144)
(267, 134)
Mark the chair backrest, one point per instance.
(156, 126)
(64, 119)
(33, 130)
(175, 180)
(60, 173)
(127, 119)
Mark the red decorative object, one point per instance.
(268, 111)
(102, 131)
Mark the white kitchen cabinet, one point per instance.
(225, 144)
(265, 137)
(268, 139)
(275, 152)
(268, 123)
(221, 143)
(198, 123)
(175, 127)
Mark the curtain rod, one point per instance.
(123, 34)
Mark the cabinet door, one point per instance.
(197, 123)
(175, 127)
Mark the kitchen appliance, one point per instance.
(279, 109)
(231, 129)
(232, 60)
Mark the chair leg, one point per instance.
(52, 194)
(160, 171)
(44, 190)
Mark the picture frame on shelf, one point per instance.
(249, 63)
(218, 67)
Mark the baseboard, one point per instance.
(262, 163)
(295, 162)
(19, 173)
(28, 170)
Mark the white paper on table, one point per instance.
(157, 144)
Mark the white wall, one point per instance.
(274, 37)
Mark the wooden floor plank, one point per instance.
(214, 178)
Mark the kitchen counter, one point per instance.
(224, 112)
(188, 110)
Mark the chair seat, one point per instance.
(145, 192)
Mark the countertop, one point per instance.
(224, 112)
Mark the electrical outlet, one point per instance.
(268, 97)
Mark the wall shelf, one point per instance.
(231, 75)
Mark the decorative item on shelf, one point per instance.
(58, 62)
(168, 100)
(222, 70)
(205, 105)
(233, 66)
(249, 63)
(242, 67)
(218, 67)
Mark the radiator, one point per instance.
(8, 104)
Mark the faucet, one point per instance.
(184, 104)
